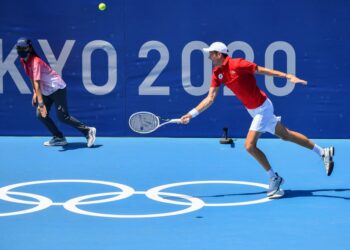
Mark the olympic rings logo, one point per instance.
(193, 203)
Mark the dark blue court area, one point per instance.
(169, 194)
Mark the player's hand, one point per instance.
(34, 100)
(43, 111)
(294, 79)
(185, 119)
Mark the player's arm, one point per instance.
(276, 73)
(36, 92)
(37, 96)
(203, 105)
(34, 98)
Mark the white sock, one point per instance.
(318, 150)
(271, 173)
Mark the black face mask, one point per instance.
(23, 54)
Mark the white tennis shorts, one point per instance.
(264, 120)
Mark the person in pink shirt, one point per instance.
(239, 76)
(48, 89)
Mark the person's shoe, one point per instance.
(328, 159)
(91, 137)
(56, 141)
(275, 184)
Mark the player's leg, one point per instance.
(264, 120)
(60, 99)
(300, 139)
(289, 135)
(58, 138)
(251, 146)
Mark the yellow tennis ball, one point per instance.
(102, 6)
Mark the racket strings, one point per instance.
(144, 122)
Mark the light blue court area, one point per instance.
(169, 194)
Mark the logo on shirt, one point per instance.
(233, 72)
(220, 76)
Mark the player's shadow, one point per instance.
(227, 195)
(76, 145)
(318, 193)
(217, 195)
(340, 193)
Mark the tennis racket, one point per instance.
(145, 122)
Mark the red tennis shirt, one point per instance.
(38, 70)
(239, 76)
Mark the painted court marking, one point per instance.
(154, 193)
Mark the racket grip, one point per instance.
(178, 121)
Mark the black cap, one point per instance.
(23, 42)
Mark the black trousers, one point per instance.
(59, 98)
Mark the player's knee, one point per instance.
(285, 138)
(285, 135)
(250, 147)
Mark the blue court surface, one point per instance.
(169, 193)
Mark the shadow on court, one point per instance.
(318, 193)
(77, 145)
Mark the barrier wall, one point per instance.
(146, 55)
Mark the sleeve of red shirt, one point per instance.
(214, 81)
(36, 67)
(245, 66)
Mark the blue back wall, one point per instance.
(146, 55)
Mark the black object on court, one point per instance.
(225, 139)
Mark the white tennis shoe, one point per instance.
(327, 158)
(91, 137)
(275, 185)
(56, 141)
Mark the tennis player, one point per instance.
(239, 76)
(49, 88)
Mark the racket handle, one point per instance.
(178, 121)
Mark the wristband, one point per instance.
(41, 104)
(193, 113)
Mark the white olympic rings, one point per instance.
(124, 192)
(195, 204)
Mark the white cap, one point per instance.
(217, 46)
